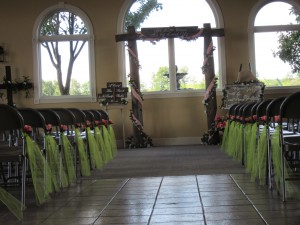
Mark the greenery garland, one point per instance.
(17, 85)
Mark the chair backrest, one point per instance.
(50, 116)
(89, 116)
(237, 110)
(273, 108)
(65, 115)
(289, 108)
(247, 113)
(261, 110)
(104, 114)
(32, 117)
(254, 107)
(79, 115)
(289, 115)
(10, 118)
(97, 115)
(231, 110)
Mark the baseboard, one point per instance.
(177, 141)
(170, 141)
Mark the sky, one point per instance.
(266, 65)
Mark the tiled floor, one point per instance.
(173, 200)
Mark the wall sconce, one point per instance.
(1, 54)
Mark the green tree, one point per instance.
(85, 88)
(50, 88)
(75, 87)
(145, 7)
(289, 46)
(63, 23)
(160, 80)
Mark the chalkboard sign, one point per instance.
(114, 92)
(243, 92)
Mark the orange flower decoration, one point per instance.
(27, 128)
(263, 118)
(63, 128)
(277, 118)
(48, 127)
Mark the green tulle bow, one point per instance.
(85, 169)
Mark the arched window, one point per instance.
(274, 24)
(63, 56)
(187, 57)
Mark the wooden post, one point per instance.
(135, 78)
(209, 71)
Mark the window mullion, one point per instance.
(172, 67)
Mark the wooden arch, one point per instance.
(156, 34)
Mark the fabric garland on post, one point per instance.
(250, 139)
(224, 144)
(232, 139)
(262, 155)
(68, 158)
(107, 142)
(95, 155)
(112, 140)
(106, 155)
(40, 171)
(83, 158)
(239, 142)
(254, 150)
(59, 178)
(291, 189)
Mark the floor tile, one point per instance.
(177, 210)
(232, 215)
(176, 218)
(236, 222)
(175, 200)
(73, 221)
(122, 220)
(127, 212)
(229, 209)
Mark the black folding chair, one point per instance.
(262, 140)
(36, 120)
(272, 116)
(290, 144)
(11, 152)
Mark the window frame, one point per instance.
(173, 93)
(38, 98)
(272, 28)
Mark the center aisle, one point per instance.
(171, 200)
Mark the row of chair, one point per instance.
(52, 147)
(265, 137)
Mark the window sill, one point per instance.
(201, 93)
(60, 99)
(281, 90)
(177, 94)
